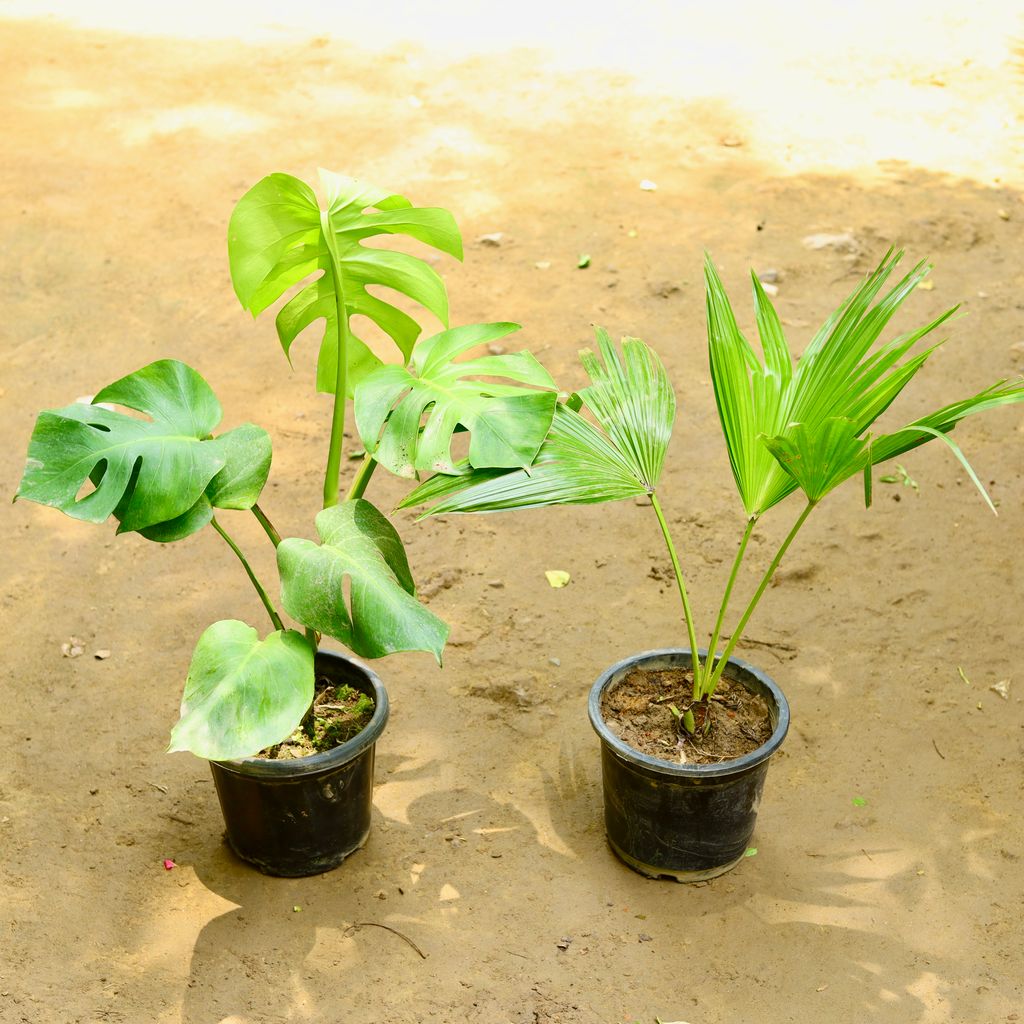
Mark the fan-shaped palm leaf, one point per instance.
(837, 377)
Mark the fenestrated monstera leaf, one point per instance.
(279, 236)
(507, 423)
(145, 471)
(242, 693)
(358, 543)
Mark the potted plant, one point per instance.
(686, 734)
(289, 728)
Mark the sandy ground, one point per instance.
(127, 138)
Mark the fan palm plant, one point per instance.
(789, 424)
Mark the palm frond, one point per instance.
(841, 375)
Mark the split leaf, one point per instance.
(279, 236)
(360, 545)
(143, 471)
(581, 463)
(507, 423)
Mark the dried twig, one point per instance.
(178, 818)
(388, 928)
(937, 751)
(777, 644)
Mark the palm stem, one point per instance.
(713, 646)
(687, 614)
(362, 477)
(340, 383)
(274, 617)
(716, 674)
(268, 526)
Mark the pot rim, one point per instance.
(327, 760)
(704, 771)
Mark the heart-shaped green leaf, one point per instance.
(243, 694)
(507, 423)
(360, 544)
(149, 471)
(247, 453)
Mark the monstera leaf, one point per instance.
(242, 693)
(507, 423)
(148, 471)
(360, 544)
(247, 453)
(161, 476)
(279, 236)
(580, 463)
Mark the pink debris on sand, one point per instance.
(169, 864)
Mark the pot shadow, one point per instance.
(298, 947)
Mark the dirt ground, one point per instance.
(888, 880)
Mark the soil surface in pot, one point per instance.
(339, 714)
(639, 711)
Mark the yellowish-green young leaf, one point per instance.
(279, 236)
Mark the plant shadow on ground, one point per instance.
(831, 920)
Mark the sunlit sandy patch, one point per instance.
(211, 121)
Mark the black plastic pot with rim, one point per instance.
(689, 822)
(305, 815)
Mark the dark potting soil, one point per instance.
(339, 713)
(637, 710)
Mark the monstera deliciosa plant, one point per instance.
(144, 450)
(790, 424)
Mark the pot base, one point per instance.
(649, 871)
(311, 866)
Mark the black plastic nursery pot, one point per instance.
(684, 821)
(305, 815)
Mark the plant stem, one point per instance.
(716, 674)
(362, 477)
(268, 526)
(274, 617)
(340, 382)
(687, 614)
(713, 646)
